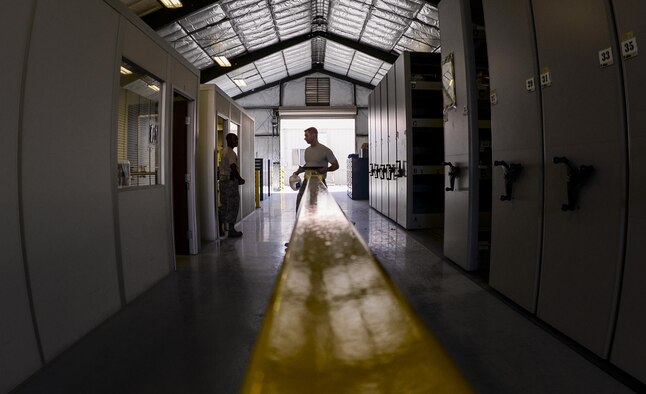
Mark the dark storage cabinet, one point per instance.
(358, 177)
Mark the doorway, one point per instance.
(183, 142)
(337, 134)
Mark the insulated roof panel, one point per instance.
(204, 18)
(323, 29)
(272, 68)
(364, 67)
(298, 58)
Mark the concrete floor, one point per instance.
(194, 331)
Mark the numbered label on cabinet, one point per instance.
(546, 77)
(605, 57)
(530, 85)
(629, 45)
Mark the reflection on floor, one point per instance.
(194, 331)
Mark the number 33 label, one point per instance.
(629, 48)
(605, 57)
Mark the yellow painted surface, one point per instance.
(337, 324)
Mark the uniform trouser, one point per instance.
(229, 200)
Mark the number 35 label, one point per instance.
(629, 48)
(605, 57)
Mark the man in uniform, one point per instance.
(230, 179)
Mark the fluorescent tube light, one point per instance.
(154, 87)
(172, 3)
(125, 71)
(222, 61)
(240, 82)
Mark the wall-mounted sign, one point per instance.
(530, 84)
(605, 57)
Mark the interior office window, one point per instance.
(139, 129)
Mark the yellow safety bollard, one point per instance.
(257, 188)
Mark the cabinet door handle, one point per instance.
(512, 171)
(399, 170)
(576, 178)
(454, 172)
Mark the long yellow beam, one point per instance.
(337, 324)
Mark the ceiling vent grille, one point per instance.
(317, 91)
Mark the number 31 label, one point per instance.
(629, 48)
(605, 57)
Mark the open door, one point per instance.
(181, 175)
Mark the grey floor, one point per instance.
(194, 331)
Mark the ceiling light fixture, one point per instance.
(222, 61)
(240, 82)
(125, 71)
(154, 87)
(171, 3)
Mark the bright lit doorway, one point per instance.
(336, 134)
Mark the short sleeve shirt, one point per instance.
(228, 157)
(318, 156)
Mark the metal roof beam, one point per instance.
(210, 73)
(314, 70)
(166, 16)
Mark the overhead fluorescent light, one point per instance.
(125, 71)
(154, 87)
(222, 61)
(344, 112)
(240, 82)
(172, 3)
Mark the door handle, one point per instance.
(576, 178)
(392, 171)
(399, 172)
(511, 171)
(454, 172)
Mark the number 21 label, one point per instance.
(546, 78)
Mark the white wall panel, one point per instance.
(263, 121)
(184, 79)
(145, 253)
(264, 98)
(361, 122)
(140, 49)
(67, 183)
(294, 93)
(247, 156)
(18, 350)
(205, 158)
(341, 92)
(362, 96)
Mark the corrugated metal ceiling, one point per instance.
(269, 41)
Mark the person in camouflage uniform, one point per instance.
(230, 179)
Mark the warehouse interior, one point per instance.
(501, 143)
